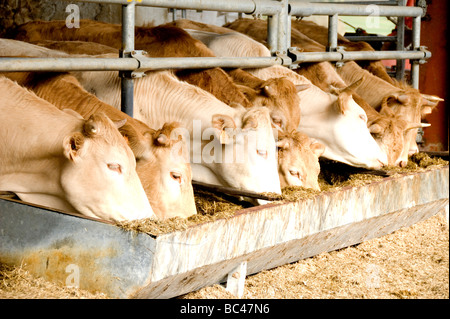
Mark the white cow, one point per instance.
(57, 159)
(166, 180)
(233, 147)
(338, 122)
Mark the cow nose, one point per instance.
(382, 163)
(402, 163)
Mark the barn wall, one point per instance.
(16, 12)
(434, 77)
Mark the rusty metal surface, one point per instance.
(49, 243)
(126, 265)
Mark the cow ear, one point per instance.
(72, 145)
(426, 110)
(222, 123)
(375, 129)
(387, 111)
(120, 123)
(302, 87)
(278, 120)
(247, 91)
(283, 144)
(342, 102)
(403, 98)
(317, 148)
(250, 123)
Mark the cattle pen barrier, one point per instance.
(124, 264)
(131, 64)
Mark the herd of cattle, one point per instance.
(66, 144)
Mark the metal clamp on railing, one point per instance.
(138, 55)
(341, 50)
(426, 54)
(125, 74)
(283, 58)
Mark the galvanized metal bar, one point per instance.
(382, 55)
(304, 9)
(289, 28)
(416, 33)
(272, 31)
(67, 64)
(205, 62)
(283, 32)
(127, 86)
(130, 64)
(400, 64)
(332, 32)
(174, 14)
(415, 46)
(145, 63)
(299, 57)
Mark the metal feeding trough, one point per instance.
(103, 257)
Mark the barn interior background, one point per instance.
(435, 139)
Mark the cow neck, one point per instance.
(372, 89)
(35, 168)
(169, 100)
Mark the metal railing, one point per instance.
(417, 53)
(132, 64)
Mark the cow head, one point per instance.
(167, 177)
(279, 95)
(239, 151)
(342, 128)
(389, 131)
(411, 106)
(298, 160)
(99, 176)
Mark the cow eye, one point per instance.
(295, 173)
(115, 167)
(262, 153)
(176, 176)
(363, 117)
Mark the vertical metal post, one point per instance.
(272, 31)
(415, 46)
(400, 65)
(288, 33)
(128, 20)
(332, 32)
(174, 14)
(283, 31)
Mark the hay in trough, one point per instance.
(18, 283)
(333, 176)
(210, 207)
